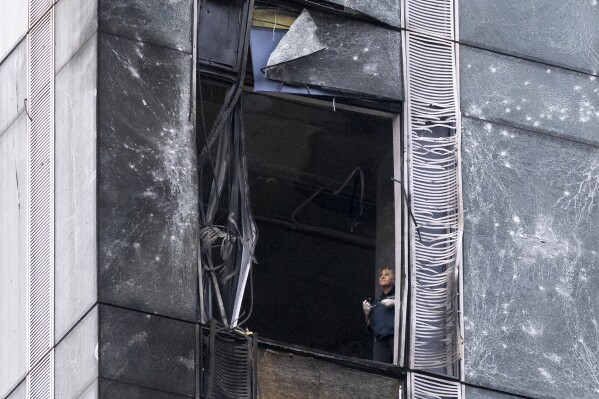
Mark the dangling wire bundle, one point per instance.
(226, 249)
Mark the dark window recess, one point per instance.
(322, 199)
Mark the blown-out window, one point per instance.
(322, 195)
(315, 156)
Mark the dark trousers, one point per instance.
(383, 350)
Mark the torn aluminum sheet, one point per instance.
(290, 49)
(358, 58)
(387, 11)
(227, 233)
(262, 42)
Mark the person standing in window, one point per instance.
(380, 317)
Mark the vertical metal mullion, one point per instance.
(408, 168)
(398, 267)
(460, 194)
(406, 283)
(430, 29)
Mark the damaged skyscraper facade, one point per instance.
(196, 198)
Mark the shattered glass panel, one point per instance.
(358, 57)
(166, 23)
(531, 265)
(387, 11)
(479, 393)
(147, 181)
(559, 32)
(528, 94)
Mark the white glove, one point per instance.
(366, 306)
(388, 302)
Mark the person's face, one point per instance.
(385, 278)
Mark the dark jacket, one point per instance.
(382, 318)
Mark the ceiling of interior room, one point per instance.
(313, 145)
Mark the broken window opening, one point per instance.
(322, 226)
(323, 200)
(322, 54)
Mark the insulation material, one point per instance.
(387, 11)
(357, 57)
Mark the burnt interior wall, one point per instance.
(288, 376)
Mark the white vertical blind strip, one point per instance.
(426, 387)
(432, 102)
(37, 10)
(40, 144)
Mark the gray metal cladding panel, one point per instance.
(556, 31)
(147, 179)
(76, 358)
(531, 263)
(528, 94)
(220, 25)
(75, 251)
(13, 253)
(13, 80)
(168, 23)
(91, 392)
(479, 393)
(147, 350)
(20, 392)
(75, 21)
(354, 57)
(13, 25)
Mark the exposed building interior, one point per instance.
(322, 198)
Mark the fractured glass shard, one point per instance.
(299, 41)
(358, 57)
